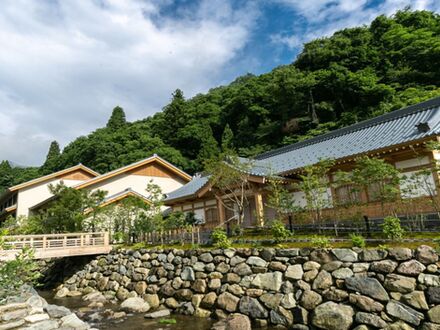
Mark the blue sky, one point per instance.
(65, 64)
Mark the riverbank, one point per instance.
(28, 310)
(297, 288)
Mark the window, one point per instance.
(347, 194)
(211, 215)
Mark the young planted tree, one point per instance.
(229, 178)
(378, 179)
(314, 183)
(96, 214)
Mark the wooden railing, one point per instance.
(57, 245)
(174, 236)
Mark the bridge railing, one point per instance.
(56, 241)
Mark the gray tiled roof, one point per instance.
(391, 129)
(189, 189)
(387, 130)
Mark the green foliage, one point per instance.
(17, 272)
(52, 159)
(320, 242)
(357, 240)
(378, 179)
(167, 321)
(392, 229)
(229, 178)
(279, 232)
(117, 119)
(220, 239)
(314, 184)
(355, 74)
(437, 242)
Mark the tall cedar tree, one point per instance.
(117, 119)
(52, 159)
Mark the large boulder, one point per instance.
(434, 314)
(72, 321)
(294, 272)
(404, 313)
(346, 255)
(411, 267)
(228, 302)
(398, 283)
(426, 255)
(268, 281)
(252, 307)
(333, 316)
(135, 304)
(367, 286)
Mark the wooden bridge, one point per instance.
(56, 245)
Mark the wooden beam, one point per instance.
(259, 207)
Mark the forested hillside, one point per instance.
(353, 75)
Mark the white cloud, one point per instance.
(324, 17)
(65, 64)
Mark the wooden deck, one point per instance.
(57, 245)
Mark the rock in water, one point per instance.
(135, 304)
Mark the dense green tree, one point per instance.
(117, 119)
(353, 75)
(51, 163)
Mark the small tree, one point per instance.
(378, 179)
(15, 273)
(315, 184)
(229, 178)
(66, 212)
(392, 229)
(94, 209)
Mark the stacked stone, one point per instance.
(31, 312)
(397, 288)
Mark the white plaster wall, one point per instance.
(137, 183)
(30, 196)
(412, 162)
(413, 185)
(299, 199)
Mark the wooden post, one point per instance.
(106, 239)
(221, 210)
(259, 208)
(44, 242)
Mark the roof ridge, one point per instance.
(393, 115)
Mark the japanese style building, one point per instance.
(398, 137)
(131, 180)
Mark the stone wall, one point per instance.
(339, 289)
(28, 311)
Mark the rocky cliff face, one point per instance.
(338, 289)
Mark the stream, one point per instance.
(131, 321)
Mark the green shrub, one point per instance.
(437, 242)
(357, 240)
(320, 242)
(392, 229)
(279, 231)
(220, 239)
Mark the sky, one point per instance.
(64, 65)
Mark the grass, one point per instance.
(258, 240)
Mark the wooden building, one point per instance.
(398, 137)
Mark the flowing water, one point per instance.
(131, 321)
